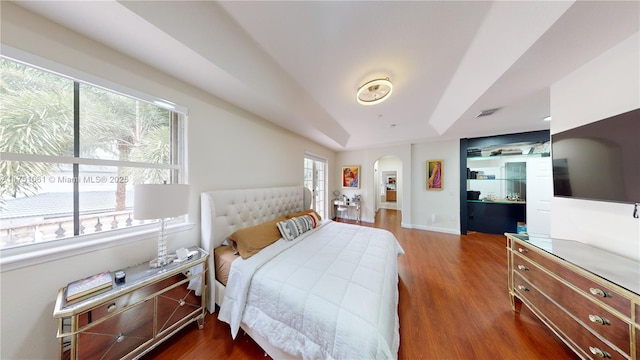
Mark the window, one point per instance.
(71, 152)
(315, 180)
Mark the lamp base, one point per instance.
(158, 262)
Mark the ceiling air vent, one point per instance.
(487, 112)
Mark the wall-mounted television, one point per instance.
(600, 160)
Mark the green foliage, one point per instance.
(36, 117)
(155, 147)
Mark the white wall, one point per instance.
(366, 159)
(228, 148)
(421, 208)
(606, 86)
(436, 210)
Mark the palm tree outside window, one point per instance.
(70, 153)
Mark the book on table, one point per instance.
(89, 286)
(85, 297)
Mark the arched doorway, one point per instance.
(387, 174)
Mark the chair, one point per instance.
(341, 210)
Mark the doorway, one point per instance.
(388, 181)
(389, 190)
(315, 179)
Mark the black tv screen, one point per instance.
(600, 160)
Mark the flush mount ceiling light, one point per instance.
(374, 92)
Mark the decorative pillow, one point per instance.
(306, 212)
(251, 240)
(294, 227)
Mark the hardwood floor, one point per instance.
(453, 305)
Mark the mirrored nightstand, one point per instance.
(131, 319)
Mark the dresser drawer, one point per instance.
(573, 333)
(588, 312)
(175, 305)
(123, 301)
(595, 290)
(118, 335)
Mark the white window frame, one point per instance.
(37, 253)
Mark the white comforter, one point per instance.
(332, 293)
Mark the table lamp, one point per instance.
(160, 201)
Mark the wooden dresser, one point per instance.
(588, 297)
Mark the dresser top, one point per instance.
(137, 276)
(614, 268)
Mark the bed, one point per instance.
(329, 292)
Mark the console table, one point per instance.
(588, 297)
(348, 204)
(131, 319)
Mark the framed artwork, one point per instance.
(351, 177)
(435, 180)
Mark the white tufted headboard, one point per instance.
(225, 211)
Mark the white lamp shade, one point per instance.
(160, 201)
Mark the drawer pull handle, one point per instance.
(523, 250)
(599, 320)
(600, 353)
(111, 307)
(599, 292)
(523, 288)
(523, 268)
(120, 337)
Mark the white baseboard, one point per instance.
(436, 229)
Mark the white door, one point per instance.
(315, 180)
(539, 195)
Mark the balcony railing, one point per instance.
(13, 234)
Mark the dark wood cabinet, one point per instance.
(493, 180)
(494, 217)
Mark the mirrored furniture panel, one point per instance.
(132, 318)
(347, 209)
